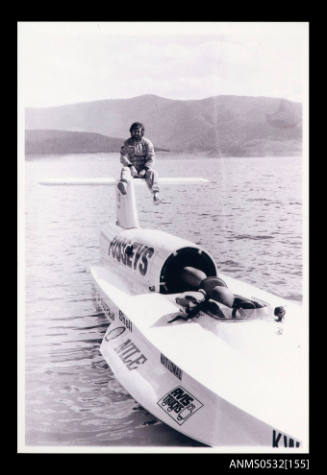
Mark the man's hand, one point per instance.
(133, 171)
(142, 173)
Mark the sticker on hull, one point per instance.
(110, 314)
(179, 404)
(130, 354)
(114, 333)
(174, 369)
(281, 440)
(131, 254)
(125, 321)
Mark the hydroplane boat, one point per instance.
(225, 377)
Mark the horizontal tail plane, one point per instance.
(112, 181)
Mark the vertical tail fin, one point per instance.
(126, 209)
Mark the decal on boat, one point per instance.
(281, 440)
(179, 404)
(125, 321)
(171, 366)
(107, 310)
(131, 254)
(128, 349)
(114, 333)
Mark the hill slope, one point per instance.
(61, 141)
(223, 125)
(48, 141)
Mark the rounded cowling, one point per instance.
(172, 269)
(153, 260)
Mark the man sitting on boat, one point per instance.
(137, 155)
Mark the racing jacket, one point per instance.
(138, 153)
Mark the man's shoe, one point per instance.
(156, 199)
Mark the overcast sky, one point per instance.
(68, 62)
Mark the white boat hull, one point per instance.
(203, 377)
(227, 383)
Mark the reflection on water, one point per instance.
(249, 217)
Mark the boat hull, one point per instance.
(178, 387)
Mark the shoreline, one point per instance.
(164, 155)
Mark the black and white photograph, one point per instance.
(163, 237)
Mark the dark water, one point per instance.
(249, 218)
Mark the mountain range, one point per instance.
(48, 141)
(223, 125)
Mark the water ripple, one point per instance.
(248, 236)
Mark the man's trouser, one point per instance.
(151, 177)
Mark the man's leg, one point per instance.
(151, 178)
